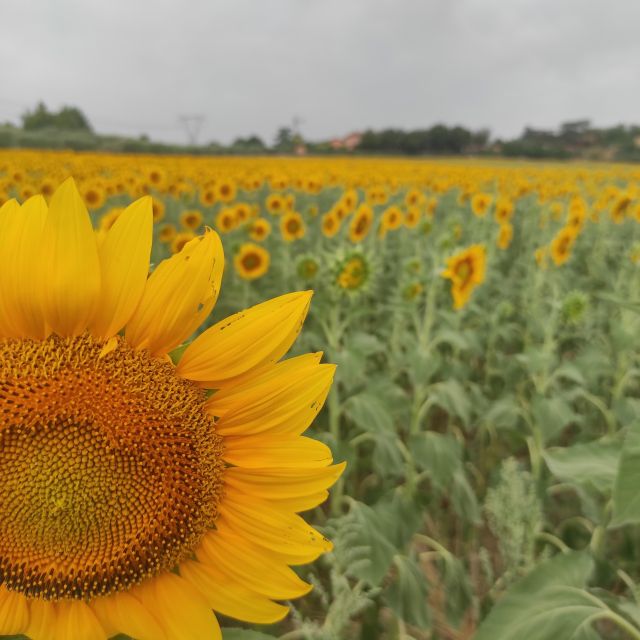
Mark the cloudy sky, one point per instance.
(250, 66)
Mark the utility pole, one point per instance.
(192, 125)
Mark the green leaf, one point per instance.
(593, 464)
(440, 455)
(365, 343)
(407, 594)
(550, 603)
(453, 398)
(626, 497)
(381, 551)
(369, 413)
(551, 416)
(503, 414)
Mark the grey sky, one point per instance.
(249, 66)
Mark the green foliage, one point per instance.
(66, 119)
(549, 603)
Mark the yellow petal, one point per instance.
(9, 221)
(76, 620)
(280, 531)
(14, 613)
(181, 610)
(294, 505)
(178, 296)
(246, 340)
(259, 452)
(287, 484)
(122, 613)
(282, 400)
(230, 598)
(70, 263)
(21, 286)
(250, 566)
(124, 261)
(43, 618)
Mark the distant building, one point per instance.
(348, 143)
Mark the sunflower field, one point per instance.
(486, 400)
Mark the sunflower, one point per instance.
(93, 195)
(330, 225)
(413, 198)
(412, 217)
(562, 244)
(167, 233)
(541, 254)
(307, 268)
(466, 270)
(134, 500)
(225, 190)
(251, 261)
(260, 229)
(226, 220)
(361, 223)
(352, 273)
(180, 240)
(158, 208)
(107, 220)
(577, 214)
(620, 208)
(505, 235)
(191, 219)
(480, 203)
(504, 210)
(275, 204)
(207, 196)
(292, 227)
(156, 177)
(390, 221)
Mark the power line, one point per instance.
(192, 125)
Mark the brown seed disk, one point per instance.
(110, 469)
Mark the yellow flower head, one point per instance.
(226, 220)
(150, 493)
(180, 240)
(275, 204)
(330, 224)
(260, 229)
(562, 244)
(480, 204)
(191, 219)
(225, 190)
(292, 227)
(251, 261)
(361, 223)
(466, 270)
(505, 235)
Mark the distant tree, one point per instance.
(251, 144)
(67, 119)
(284, 139)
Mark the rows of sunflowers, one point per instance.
(479, 435)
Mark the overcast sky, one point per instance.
(250, 66)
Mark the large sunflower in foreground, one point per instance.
(136, 496)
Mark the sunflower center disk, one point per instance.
(110, 470)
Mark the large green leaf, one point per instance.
(453, 398)
(369, 413)
(549, 604)
(626, 494)
(551, 416)
(407, 594)
(592, 464)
